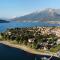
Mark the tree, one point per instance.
(18, 38)
(34, 45)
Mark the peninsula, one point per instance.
(37, 40)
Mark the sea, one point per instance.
(15, 24)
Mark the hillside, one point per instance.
(44, 15)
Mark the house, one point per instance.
(45, 48)
(31, 40)
(56, 31)
(58, 53)
(58, 41)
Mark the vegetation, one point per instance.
(32, 37)
(55, 48)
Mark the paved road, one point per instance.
(9, 53)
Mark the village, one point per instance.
(42, 38)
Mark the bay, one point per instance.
(15, 24)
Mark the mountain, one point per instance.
(44, 15)
(3, 21)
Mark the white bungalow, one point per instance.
(9, 33)
(58, 41)
(45, 48)
(31, 40)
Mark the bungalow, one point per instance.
(58, 53)
(58, 41)
(9, 33)
(45, 48)
(31, 40)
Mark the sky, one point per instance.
(13, 8)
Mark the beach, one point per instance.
(28, 49)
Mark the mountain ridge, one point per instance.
(44, 15)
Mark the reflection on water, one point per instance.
(10, 53)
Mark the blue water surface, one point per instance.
(14, 24)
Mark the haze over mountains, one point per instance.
(44, 15)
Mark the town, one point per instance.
(42, 38)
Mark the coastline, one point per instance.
(27, 49)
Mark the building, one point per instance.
(58, 41)
(31, 40)
(58, 53)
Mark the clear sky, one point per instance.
(12, 8)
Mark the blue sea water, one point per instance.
(14, 24)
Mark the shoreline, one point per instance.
(27, 49)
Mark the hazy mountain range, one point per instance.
(44, 15)
(3, 21)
